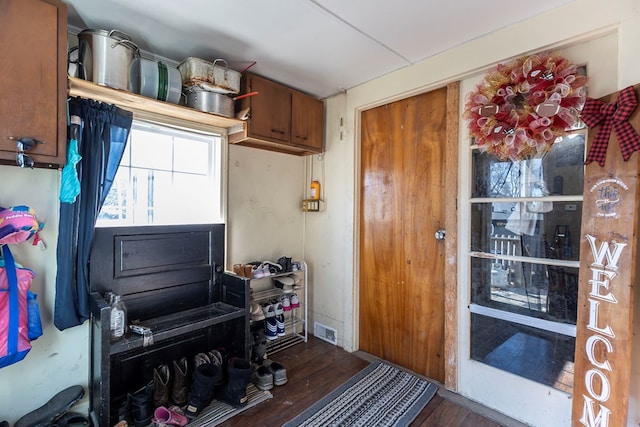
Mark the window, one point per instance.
(166, 176)
(525, 228)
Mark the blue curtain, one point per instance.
(101, 142)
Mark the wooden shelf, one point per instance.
(150, 109)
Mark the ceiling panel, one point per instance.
(318, 46)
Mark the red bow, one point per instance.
(616, 116)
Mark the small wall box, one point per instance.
(310, 205)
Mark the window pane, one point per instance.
(192, 156)
(558, 172)
(541, 356)
(151, 150)
(543, 291)
(531, 229)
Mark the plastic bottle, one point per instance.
(315, 190)
(118, 318)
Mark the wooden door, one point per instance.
(402, 207)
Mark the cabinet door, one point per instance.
(307, 124)
(270, 110)
(33, 43)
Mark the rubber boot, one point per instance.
(205, 378)
(161, 379)
(234, 390)
(180, 388)
(141, 405)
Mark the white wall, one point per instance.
(575, 23)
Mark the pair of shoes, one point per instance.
(172, 416)
(277, 370)
(171, 387)
(274, 327)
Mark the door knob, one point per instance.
(440, 234)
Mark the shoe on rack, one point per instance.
(257, 313)
(277, 370)
(269, 310)
(280, 325)
(262, 378)
(286, 303)
(278, 308)
(295, 301)
(271, 328)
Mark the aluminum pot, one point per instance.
(210, 102)
(105, 57)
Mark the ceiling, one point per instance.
(321, 47)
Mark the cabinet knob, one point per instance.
(440, 234)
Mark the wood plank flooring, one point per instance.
(316, 367)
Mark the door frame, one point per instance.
(451, 226)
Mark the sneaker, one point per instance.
(257, 272)
(278, 308)
(262, 378)
(280, 325)
(271, 328)
(295, 302)
(257, 313)
(216, 357)
(286, 303)
(269, 310)
(278, 371)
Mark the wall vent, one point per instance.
(325, 333)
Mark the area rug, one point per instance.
(380, 395)
(218, 412)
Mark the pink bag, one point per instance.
(14, 320)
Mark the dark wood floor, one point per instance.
(316, 367)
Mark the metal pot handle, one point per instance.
(130, 44)
(226, 65)
(124, 35)
(73, 49)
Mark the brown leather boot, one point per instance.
(180, 389)
(161, 379)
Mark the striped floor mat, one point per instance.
(380, 395)
(218, 412)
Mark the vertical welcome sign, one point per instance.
(608, 248)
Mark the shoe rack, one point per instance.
(264, 290)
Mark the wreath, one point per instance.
(520, 108)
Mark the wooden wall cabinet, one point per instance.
(33, 42)
(280, 118)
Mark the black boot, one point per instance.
(141, 405)
(234, 390)
(180, 388)
(205, 378)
